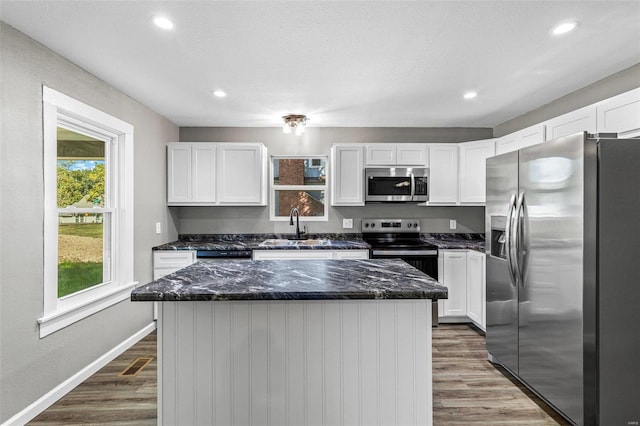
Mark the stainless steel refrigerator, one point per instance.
(563, 274)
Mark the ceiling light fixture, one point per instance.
(470, 95)
(564, 28)
(219, 94)
(163, 22)
(295, 122)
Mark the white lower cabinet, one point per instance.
(309, 254)
(476, 288)
(463, 273)
(166, 262)
(453, 275)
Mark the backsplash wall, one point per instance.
(318, 141)
(255, 220)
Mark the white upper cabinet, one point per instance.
(396, 154)
(241, 174)
(203, 160)
(472, 174)
(210, 174)
(443, 173)
(180, 183)
(191, 173)
(620, 114)
(581, 120)
(347, 173)
(521, 139)
(412, 154)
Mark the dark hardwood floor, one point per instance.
(467, 389)
(108, 398)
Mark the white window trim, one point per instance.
(273, 188)
(59, 313)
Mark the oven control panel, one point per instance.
(390, 225)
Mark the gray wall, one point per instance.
(318, 141)
(30, 366)
(613, 85)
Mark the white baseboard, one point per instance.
(48, 399)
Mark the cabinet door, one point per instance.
(381, 154)
(533, 135)
(179, 179)
(203, 173)
(475, 287)
(412, 154)
(241, 174)
(455, 278)
(581, 120)
(347, 187)
(620, 114)
(443, 173)
(521, 139)
(473, 157)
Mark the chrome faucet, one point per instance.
(294, 211)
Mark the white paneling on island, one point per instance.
(329, 342)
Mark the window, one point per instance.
(299, 182)
(88, 211)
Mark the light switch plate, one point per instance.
(347, 223)
(158, 228)
(453, 224)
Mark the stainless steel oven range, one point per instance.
(400, 239)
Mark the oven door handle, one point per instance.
(413, 253)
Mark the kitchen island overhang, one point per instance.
(294, 342)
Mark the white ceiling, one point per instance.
(343, 63)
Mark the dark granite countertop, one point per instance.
(293, 280)
(253, 241)
(456, 241)
(352, 241)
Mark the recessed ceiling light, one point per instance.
(564, 28)
(219, 93)
(470, 95)
(163, 22)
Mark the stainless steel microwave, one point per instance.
(396, 184)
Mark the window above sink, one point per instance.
(300, 182)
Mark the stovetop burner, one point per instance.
(394, 234)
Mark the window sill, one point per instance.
(63, 318)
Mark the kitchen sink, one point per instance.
(292, 243)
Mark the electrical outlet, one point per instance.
(158, 228)
(453, 224)
(347, 223)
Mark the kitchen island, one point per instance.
(243, 342)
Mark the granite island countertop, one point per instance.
(293, 280)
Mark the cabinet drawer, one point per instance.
(351, 254)
(173, 259)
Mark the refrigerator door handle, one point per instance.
(518, 236)
(509, 241)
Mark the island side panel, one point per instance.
(334, 362)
